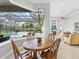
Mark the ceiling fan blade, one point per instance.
(68, 17)
(63, 17)
(56, 17)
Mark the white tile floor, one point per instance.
(65, 52)
(68, 52)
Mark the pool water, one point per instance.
(15, 34)
(11, 33)
(18, 34)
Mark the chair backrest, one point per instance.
(16, 50)
(51, 37)
(67, 34)
(56, 45)
(52, 52)
(29, 36)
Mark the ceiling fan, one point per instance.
(68, 15)
(61, 17)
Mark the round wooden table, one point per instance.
(33, 45)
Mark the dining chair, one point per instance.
(55, 47)
(18, 54)
(51, 36)
(52, 52)
(31, 36)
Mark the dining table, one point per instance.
(35, 46)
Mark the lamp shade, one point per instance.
(53, 28)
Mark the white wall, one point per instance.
(68, 25)
(23, 3)
(46, 27)
(66, 8)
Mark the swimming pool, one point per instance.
(18, 34)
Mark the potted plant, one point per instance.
(39, 39)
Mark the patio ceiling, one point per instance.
(4, 2)
(16, 17)
(20, 17)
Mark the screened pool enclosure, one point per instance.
(13, 22)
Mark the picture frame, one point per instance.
(76, 26)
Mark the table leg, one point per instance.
(35, 55)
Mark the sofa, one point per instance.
(4, 38)
(73, 39)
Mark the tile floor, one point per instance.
(68, 52)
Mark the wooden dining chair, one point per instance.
(30, 36)
(18, 54)
(52, 52)
(51, 36)
(54, 49)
